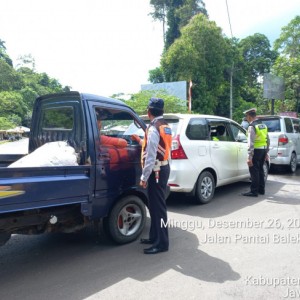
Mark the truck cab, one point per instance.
(102, 188)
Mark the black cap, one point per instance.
(156, 103)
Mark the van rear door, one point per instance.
(275, 131)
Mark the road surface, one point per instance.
(232, 248)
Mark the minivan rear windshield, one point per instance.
(272, 124)
(173, 123)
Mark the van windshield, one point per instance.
(272, 124)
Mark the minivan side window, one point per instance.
(288, 125)
(218, 131)
(238, 133)
(296, 123)
(197, 129)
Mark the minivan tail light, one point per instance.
(177, 151)
(283, 140)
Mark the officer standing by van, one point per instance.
(258, 148)
(155, 174)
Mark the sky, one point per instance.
(107, 47)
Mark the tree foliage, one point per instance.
(257, 57)
(173, 104)
(198, 55)
(3, 55)
(176, 14)
(288, 43)
(19, 88)
(156, 75)
(287, 65)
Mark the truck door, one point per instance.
(118, 164)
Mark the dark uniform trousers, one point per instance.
(157, 207)
(257, 171)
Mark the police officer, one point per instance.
(155, 152)
(258, 147)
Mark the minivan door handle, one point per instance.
(216, 145)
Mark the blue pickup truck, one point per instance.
(102, 189)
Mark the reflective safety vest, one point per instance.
(165, 141)
(261, 135)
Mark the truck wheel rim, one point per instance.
(129, 219)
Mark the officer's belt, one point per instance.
(262, 147)
(163, 163)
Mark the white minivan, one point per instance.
(207, 152)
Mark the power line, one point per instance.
(229, 19)
(231, 71)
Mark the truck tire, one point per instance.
(205, 188)
(126, 220)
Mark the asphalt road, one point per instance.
(17, 147)
(231, 248)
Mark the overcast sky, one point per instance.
(108, 46)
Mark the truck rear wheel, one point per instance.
(126, 220)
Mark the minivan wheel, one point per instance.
(205, 188)
(126, 220)
(293, 163)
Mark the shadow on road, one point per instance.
(64, 266)
(228, 199)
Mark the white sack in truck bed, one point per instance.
(48, 155)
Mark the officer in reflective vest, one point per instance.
(258, 148)
(156, 148)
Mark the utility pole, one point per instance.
(231, 88)
(297, 97)
(272, 106)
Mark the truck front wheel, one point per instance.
(126, 220)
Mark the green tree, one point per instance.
(139, 102)
(6, 124)
(12, 108)
(289, 69)
(258, 57)
(20, 87)
(288, 43)
(287, 65)
(233, 73)
(176, 14)
(3, 54)
(198, 55)
(9, 78)
(156, 75)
